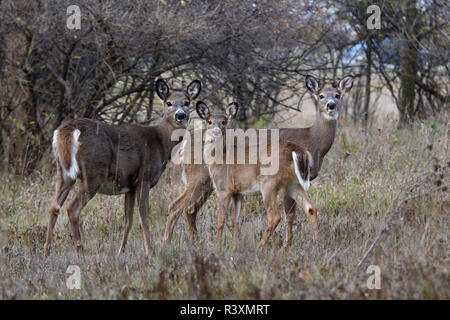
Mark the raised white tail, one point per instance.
(67, 158)
(304, 179)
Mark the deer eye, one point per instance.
(321, 96)
(169, 104)
(209, 122)
(223, 123)
(186, 103)
(337, 96)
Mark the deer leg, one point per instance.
(129, 211)
(194, 206)
(74, 210)
(190, 201)
(224, 205)
(62, 191)
(143, 195)
(289, 210)
(236, 201)
(191, 217)
(310, 210)
(273, 214)
(175, 210)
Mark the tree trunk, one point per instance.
(409, 67)
(151, 97)
(242, 102)
(368, 83)
(16, 135)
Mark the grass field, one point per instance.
(399, 177)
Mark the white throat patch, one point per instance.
(333, 116)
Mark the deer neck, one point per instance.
(208, 148)
(324, 130)
(320, 139)
(164, 131)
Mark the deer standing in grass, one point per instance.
(317, 139)
(112, 160)
(234, 180)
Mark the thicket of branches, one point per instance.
(254, 52)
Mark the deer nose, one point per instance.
(331, 105)
(180, 116)
(216, 132)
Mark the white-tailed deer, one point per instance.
(112, 160)
(234, 180)
(198, 188)
(198, 184)
(317, 139)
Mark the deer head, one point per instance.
(217, 123)
(329, 98)
(177, 103)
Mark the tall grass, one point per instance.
(400, 177)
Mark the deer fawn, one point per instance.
(233, 180)
(197, 190)
(317, 139)
(112, 160)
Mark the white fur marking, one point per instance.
(303, 183)
(334, 116)
(183, 175)
(311, 160)
(72, 173)
(55, 143)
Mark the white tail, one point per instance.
(70, 172)
(304, 182)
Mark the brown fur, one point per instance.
(127, 159)
(64, 146)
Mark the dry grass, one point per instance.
(359, 187)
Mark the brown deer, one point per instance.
(317, 139)
(112, 160)
(234, 180)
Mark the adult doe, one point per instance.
(112, 160)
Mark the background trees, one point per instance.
(412, 41)
(255, 52)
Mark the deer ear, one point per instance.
(193, 89)
(346, 83)
(162, 89)
(231, 110)
(312, 84)
(202, 110)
